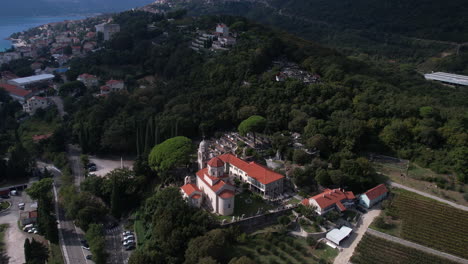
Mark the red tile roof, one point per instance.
(105, 88)
(111, 82)
(341, 206)
(15, 90)
(196, 196)
(305, 202)
(216, 162)
(215, 187)
(226, 194)
(330, 197)
(376, 191)
(37, 138)
(254, 170)
(87, 76)
(189, 188)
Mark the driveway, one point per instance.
(107, 164)
(350, 244)
(14, 237)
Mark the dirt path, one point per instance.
(350, 244)
(416, 246)
(458, 206)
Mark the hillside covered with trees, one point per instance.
(408, 31)
(357, 106)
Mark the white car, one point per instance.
(130, 237)
(128, 242)
(127, 233)
(21, 206)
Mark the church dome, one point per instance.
(216, 162)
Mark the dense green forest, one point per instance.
(357, 107)
(408, 31)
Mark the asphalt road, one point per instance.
(69, 235)
(114, 247)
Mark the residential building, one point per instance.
(115, 85)
(222, 30)
(105, 89)
(88, 80)
(329, 200)
(34, 103)
(38, 138)
(16, 93)
(108, 30)
(373, 196)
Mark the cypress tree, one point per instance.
(27, 250)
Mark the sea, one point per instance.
(10, 25)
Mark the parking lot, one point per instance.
(117, 252)
(105, 165)
(14, 237)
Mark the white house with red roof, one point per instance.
(329, 200)
(16, 93)
(34, 103)
(88, 80)
(115, 85)
(216, 190)
(373, 196)
(222, 29)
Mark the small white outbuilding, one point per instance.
(337, 235)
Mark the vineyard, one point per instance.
(372, 249)
(430, 223)
(269, 248)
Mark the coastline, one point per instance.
(17, 24)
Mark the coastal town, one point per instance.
(151, 136)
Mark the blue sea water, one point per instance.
(10, 25)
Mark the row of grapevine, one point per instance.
(432, 224)
(375, 250)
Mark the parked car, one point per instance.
(130, 247)
(27, 227)
(130, 237)
(128, 242)
(21, 206)
(127, 233)
(89, 257)
(92, 168)
(13, 192)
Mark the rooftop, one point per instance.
(330, 197)
(376, 191)
(336, 235)
(34, 78)
(11, 89)
(447, 77)
(254, 170)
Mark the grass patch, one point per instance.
(249, 204)
(427, 222)
(372, 249)
(140, 232)
(4, 205)
(55, 254)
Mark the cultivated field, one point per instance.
(270, 248)
(372, 249)
(429, 223)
